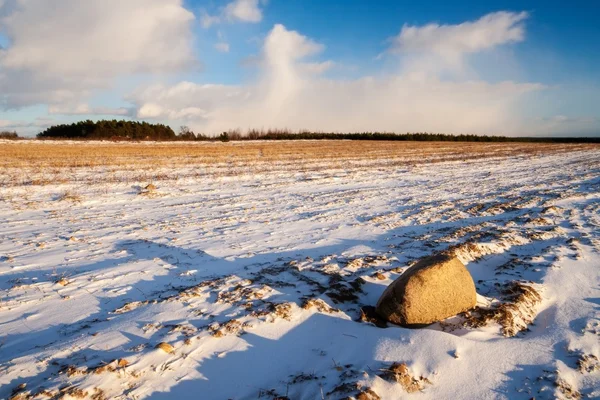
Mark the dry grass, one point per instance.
(399, 373)
(513, 315)
(39, 163)
(588, 363)
(166, 347)
(69, 196)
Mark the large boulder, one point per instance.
(434, 289)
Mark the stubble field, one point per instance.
(247, 270)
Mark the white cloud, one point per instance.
(235, 11)
(223, 47)
(243, 10)
(207, 20)
(60, 50)
(174, 102)
(489, 31)
(449, 44)
(153, 111)
(290, 93)
(319, 67)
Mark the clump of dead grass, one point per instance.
(282, 310)
(341, 291)
(514, 314)
(566, 389)
(229, 328)
(130, 306)
(148, 191)
(166, 347)
(399, 373)
(69, 195)
(72, 391)
(243, 292)
(368, 394)
(320, 305)
(588, 363)
(368, 314)
(63, 281)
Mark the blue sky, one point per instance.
(511, 67)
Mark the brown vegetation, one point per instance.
(399, 373)
(39, 163)
(513, 315)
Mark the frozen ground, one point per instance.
(257, 282)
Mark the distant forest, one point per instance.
(109, 130)
(136, 131)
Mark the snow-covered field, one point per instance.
(253, 283)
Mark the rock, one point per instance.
(434, 289)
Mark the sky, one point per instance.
(517, 68)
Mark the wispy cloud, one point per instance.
(222, 47)
(444, 47)
(86, 109)
(28, 126)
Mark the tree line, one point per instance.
(9, 135)
(136, 131)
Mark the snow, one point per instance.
(220, 267)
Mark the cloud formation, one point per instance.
(62, 53)
(243, 10)
(469, 37)
(222, 47)
(94, 43)
(435, 49)
(236, 11)
(291, 91)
